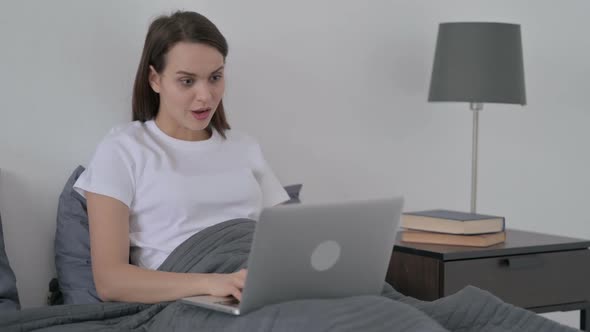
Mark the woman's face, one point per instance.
(190, 88)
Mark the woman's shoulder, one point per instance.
(127, 129)
(245, 142)
(125, 134)
(240, 137)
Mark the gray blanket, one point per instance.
(224, 248)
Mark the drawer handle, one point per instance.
(521, 262)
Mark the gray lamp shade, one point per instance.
(478, 62)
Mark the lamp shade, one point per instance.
(479, 63)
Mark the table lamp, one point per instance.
(478, 62)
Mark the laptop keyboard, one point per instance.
(233, 302)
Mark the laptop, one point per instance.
(321, 251)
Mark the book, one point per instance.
(479, 240)
(452, 222)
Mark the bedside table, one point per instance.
(539, 272)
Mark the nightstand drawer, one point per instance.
(524, 280)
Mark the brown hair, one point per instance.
(164, 32)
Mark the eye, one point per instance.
(216, 77)
(187, 81)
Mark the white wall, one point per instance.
(334, 90)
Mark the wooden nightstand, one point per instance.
(539, 272)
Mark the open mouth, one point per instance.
(201, 114)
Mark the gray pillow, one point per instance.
(293, 191)
(72, 243)
(8, 292)
(72, 246)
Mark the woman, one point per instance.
(173, 171)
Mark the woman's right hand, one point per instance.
(227, 284)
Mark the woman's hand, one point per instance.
(227, 284)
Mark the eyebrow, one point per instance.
(182, 72)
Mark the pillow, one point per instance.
(72, 245)
(293, 191)
(8, 292)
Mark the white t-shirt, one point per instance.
(176, 188)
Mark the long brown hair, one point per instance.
(164, 32)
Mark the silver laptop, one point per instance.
(302, 251)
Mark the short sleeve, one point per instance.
(109, 173)
(273, 193)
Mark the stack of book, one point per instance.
(453, 228)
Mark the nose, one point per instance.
(203, 92)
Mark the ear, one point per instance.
(154, 79)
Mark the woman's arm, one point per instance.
(117, 280)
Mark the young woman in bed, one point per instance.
(172, 172)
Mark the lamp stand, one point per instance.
(476, 108)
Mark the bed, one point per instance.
(224, 248)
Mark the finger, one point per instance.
(237, 294)
(239, 282)
(242, 275)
